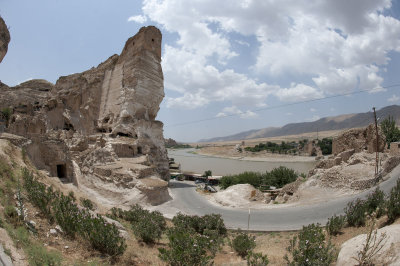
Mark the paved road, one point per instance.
(189, 201)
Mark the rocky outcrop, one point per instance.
(170, 143)
(359, 139)
(4, 39)
(387, 255)
(97, 128)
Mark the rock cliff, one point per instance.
(4, 39)
(97, 129)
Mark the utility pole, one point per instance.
(377, 144)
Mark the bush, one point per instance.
(67, 215)
(185, 247)
(335, 224)
(356, 213)
(212, 222)
(211, 226)
(38, 194)
(390, 130)
(326, 145)
(278, 177)
(87, 203)
(393, 204)
(39, 256)
(6, 113)
(257, 259)
(243, 244)
(376, 202)
(11, 215)
(103, 236)
(148, 226)
(310, 248)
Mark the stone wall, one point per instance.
(359, 140)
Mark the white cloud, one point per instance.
(313, 110)
(340, 46)
(189, 74)
(298, 92)
(243, 43)
(233, 110)
(394, 98)
(138, 19)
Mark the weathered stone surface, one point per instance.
(4, 39)
(97, 128)
(170, 143)
(359, 140)
(388, 255)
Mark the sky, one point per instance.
(228, 65)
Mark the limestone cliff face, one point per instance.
(4, 39)
(97, 128)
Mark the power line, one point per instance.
(283, 105)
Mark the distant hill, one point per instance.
(323, 124)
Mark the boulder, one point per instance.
(4, 39)
(388, 255)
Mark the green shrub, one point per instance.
(185, 247)
(103, 236)
(11, 215)
(39, 256)
(243, 244)
(87, 203)
(212, 222)
(335, 224)
(326, 145)
(310, 248)
(376, 202)
(257, 259)
(38, 194)
(6, 113)
(280, 176)
(393, 204)
(187, 221)
(71, 194)
(356, 213)
(148, 226)
(67, 215)
(251, 178)
(390, 130)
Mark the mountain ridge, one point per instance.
(324, 124)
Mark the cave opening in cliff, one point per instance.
(139, 150)
(68, 126)
(61, 171)
(123, 134)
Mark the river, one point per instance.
(191, 162)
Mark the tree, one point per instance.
(390, 130)
(6, 114)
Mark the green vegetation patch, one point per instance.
(277, 177)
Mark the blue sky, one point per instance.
(222, 60)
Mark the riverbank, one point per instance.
(230, 152)
(193, 160)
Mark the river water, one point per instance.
(221, 166)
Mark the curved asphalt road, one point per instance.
(187, 200)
